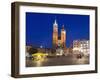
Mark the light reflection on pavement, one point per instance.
(55, 61)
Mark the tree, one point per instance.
(33, 50)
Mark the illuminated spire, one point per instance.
(55, 23)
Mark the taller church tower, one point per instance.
(55, 34)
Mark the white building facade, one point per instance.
(81, 46)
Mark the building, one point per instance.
(59, 41)
(81, 46)
(67, 51)
(55, 34)
(63, 37)
(27, 54)
(28, 48)
(85, 46)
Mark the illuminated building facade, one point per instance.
(81, 47)
(84, 47)
(76, 46)
(63, 37)
(56, 40)
(55, 34)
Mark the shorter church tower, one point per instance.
(63, 37)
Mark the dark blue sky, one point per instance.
(39, 28)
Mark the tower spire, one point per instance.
(55, 22)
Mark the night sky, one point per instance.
(39, 28)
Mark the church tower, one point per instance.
(55, 34)
(63, 37)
